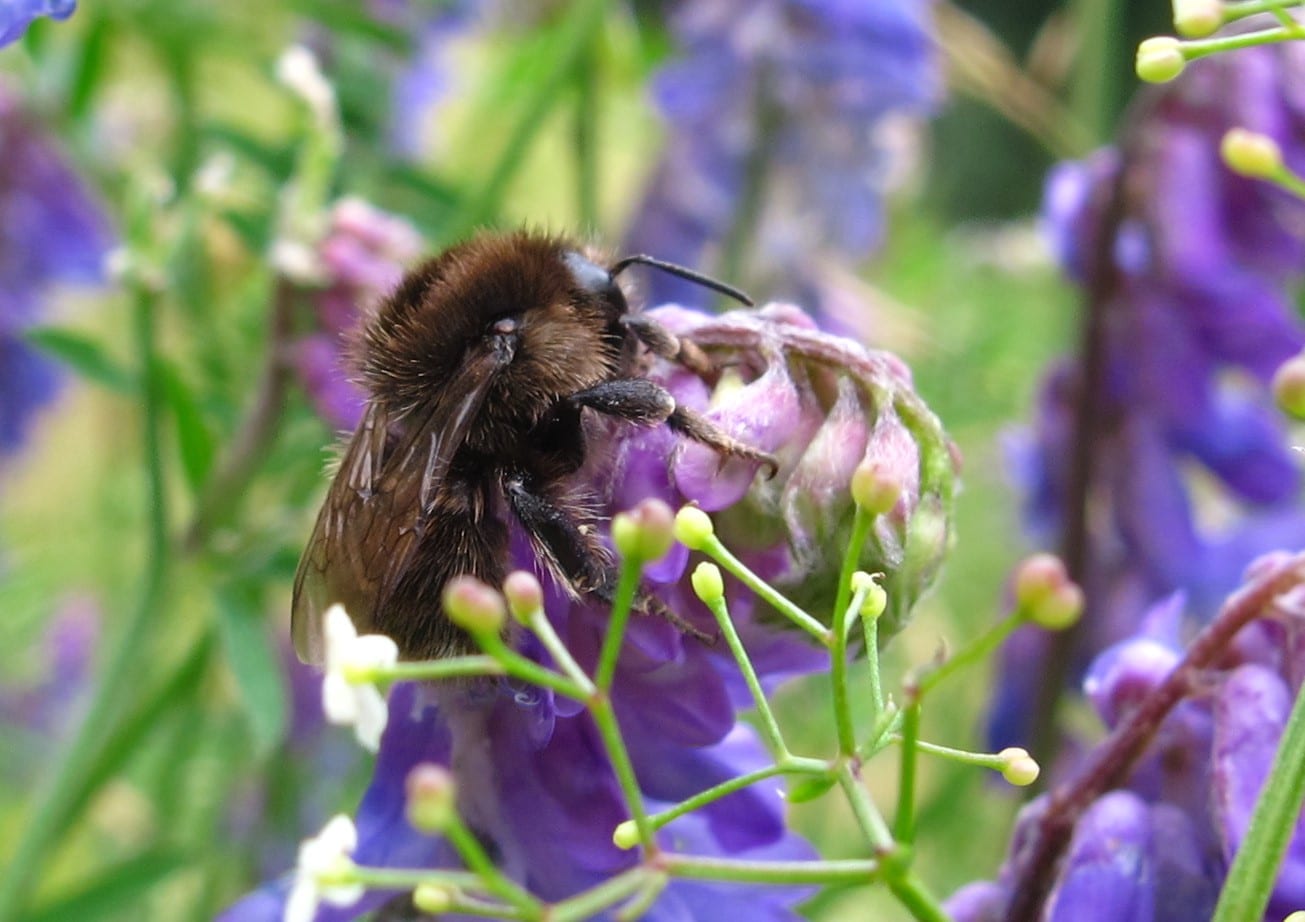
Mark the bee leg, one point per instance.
(576, 551)
(645, 402)
(662, 343)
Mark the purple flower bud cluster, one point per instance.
(363, 257)
(796, 97)
(17, 15)
(1195, 305)
(533, 780)
(52, 230)
(1159, 849)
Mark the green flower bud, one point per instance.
(1160, 59)
(1018, 767)
(693, 528)
(874, 487)
(1249, 153)
(524, 595)
(645, 533)
(708, 582)
(432, 797)
(626, 835)
(433, 899)
(1289, 386)
(474, 606)
(1197, 18)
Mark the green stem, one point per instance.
(562, 658)
(977, 651)
(528, 670)
(434, 670)
(739, 870)
(479, 863)
(713, 794)
(1096, 84)
(626, 584)
(644, 899)
(861, 522)
(756, 168)
(591, 902)
(412, 878)
(582, 20)
(1195, 49)
(586, 136)
(1250, 880)
(719, 553)
(769, 725)
(875, 703)
(918, 901)
(867, 814)
(964, 756)
(122, 670)
(600, 707)
(904, 820)
(1235, 11)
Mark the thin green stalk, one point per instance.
(964, 756)
(122, 669)
(528, 670)
(586, 136)
(433, 670)
(1235, 11)
(478, 862)
(713, 794)
(875, 700)
(864, 810)
(1250, 880)
(583, 19)
(589, 903)
(644, 899)
(1096, 87)
(904, 819)
(918, 901)
(412, 878)
(769, 725)
(600, 708)
(626, 583)
(1200, 48)
(739, 870)
(976, 651)
(719, 553)
(562, 658)
(861, 522)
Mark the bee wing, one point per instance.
(377, 509)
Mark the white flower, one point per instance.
(326, 855)
(346, 701)
(298, 70)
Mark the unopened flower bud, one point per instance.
(1160, 59)
(874, 487)
(432, 797)
(876, 597)
(524, 595)
(708, 582)
(1018, 767)
(693, 528)
(646, 532)
(433, 899)
(1197, 18)
(626, 835)
(1249, 153)
(1037, 578)
(1060, 610)
(474, 606)
(1289, 386)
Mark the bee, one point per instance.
(482, 370)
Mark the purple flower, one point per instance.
(1200, 315)
(817, 87)
(363, 257)
(17, 15)
(52, 230)
(534, 781)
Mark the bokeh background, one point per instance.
(882, 162)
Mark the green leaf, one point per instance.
(84, 355)
(89, 66)
(195, 441)
(809, 788)
(116, 889)
(255, 664)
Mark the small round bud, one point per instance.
(1160, 59)
(1197, 18)
(626, 835)
(474, 606)
(524, 595)
(433, 899)
(646, 532)
(432, 797)
(708, 583)
(693, 528)
(1297, 916)
(1059, 610)
(876, 598)
(1249, 153)
(1289, 386)
(874, 488)
(1018, 767)
(1037, 578)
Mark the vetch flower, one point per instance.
(324, 856)
(798, 104)
(532, 778)
(345, 699)
(17, 15)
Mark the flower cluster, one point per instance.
(533, 778)
(361, 258)
(52, 230)
(801, 98)
(1194, 304)
(1160, 847)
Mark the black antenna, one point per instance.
(705, 281)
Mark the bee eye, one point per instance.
(588, 275)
